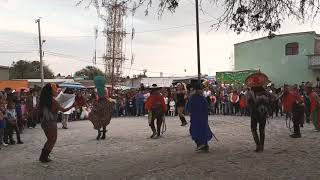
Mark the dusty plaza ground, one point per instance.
(127, 153)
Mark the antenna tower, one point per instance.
(115, 33)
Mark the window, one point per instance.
(292, 49)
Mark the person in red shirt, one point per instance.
(157, 108)
(314, 106)
(287, 100)
(243, 104)
(298, 111)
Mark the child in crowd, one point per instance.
(172, 106)
(12, 124)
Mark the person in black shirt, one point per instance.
(181, 102)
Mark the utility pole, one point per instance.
(198, 42)
(40, 53)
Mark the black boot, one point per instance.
(262, 140)
(19, 139)
(103, 134)
(99, 135)
(296, 131)
(44, 157)
(256, 140)
(183, 121)
(159, 124)
(154, 132)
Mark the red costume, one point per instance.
(155, 100)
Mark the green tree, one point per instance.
(29, 70)
(90, 72)
(240, 15)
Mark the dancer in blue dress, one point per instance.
(199, 128)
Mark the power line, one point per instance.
(82, 60)
(137, 32)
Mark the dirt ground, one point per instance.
(128, 153)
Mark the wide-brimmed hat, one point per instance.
(154, 87)
(257, 80)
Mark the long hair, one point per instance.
(45, 97)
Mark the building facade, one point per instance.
(288, 58)
(4, 73)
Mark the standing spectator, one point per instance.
(207, 94)
(31, 105)
(2, 120)
(139, 103)
(19, 114)
(12, 125)
(172, 105)
(24, 112)
(218, 103)
(213, 102)
(235, 103)
(166, 101)
(318, 82)
(131, 106)
(243, 104)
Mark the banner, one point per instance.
(232, 77)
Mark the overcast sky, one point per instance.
(158, 46)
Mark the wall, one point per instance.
(268, 55)
(4, 73)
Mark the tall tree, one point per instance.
(29, 70)
(90, 72)
(241, 15)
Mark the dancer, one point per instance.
(181, 102)
(157, 108)
(49, 109)
(102, 109)
(199, 128)
(314, 106)
(258, 101)
(298, 110)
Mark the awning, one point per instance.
(14, 84)
(72, 85)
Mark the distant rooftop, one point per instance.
(279, 35)
(4, 67)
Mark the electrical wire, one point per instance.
(70, 57)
